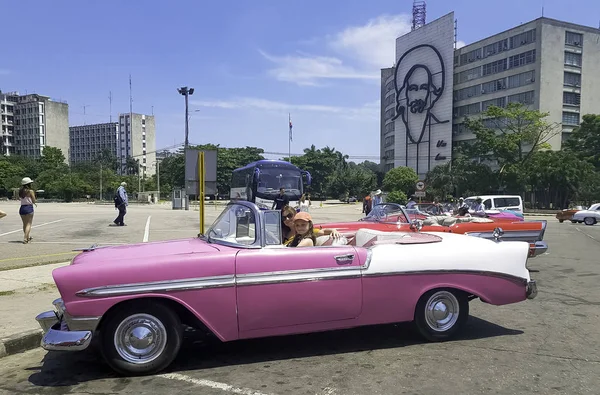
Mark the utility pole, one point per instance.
(185, 91)
(84, 107)
(158, 178)
(100, 181)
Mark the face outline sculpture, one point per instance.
(418, 92)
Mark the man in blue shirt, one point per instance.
(121, 203)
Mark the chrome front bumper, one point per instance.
(531, 289)
(58, 337)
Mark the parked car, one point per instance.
(498, 202)
(239, 282)
(392, 217)
(567, 214)
(589, 216)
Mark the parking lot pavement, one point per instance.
(549, 345)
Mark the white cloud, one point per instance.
(373, 43)
(460, 44)
(371, 46)
(369, 110)
(305, 69)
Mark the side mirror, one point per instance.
(416, 225)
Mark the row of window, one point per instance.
(390, 127)
(495, 67)
(389, 141)
(389, 100)
(389, 154)
(475, 108)
(389, 114)
(506, 44)
(514, 81)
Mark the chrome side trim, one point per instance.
(510, 277)
(526, 235)
(293, 276)
(158, 286)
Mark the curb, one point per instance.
(20, 342)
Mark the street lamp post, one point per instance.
(185, 91)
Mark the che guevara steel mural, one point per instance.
(418, 88)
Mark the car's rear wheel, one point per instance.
(561, 220)
(589, 221)
(141, 338)
(440, 313)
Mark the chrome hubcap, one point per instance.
(140, 338)
(441, 311)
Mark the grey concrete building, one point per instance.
(137, 139)
(88, 141)
(388, 100)
(546, 64)
(37, 122)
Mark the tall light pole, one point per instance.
(185, 91)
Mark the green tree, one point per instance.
(510, 136)
(584, 142)
(352, 180)
(398, 197)
(400, 179)
(322, 165)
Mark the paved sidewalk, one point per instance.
(24, 293)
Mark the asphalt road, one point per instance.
(549, 345)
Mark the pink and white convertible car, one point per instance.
(239, 282)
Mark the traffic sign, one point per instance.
(420, 194)
(420, 185)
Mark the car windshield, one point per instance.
(387, 212)
(236, 224)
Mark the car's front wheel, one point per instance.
(141, 338)
(440, 313)
(589, 221)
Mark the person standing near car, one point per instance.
(27, 197)
(121, 203)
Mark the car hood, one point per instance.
(145, 250)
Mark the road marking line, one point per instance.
(590, 236)
(147, 230)
(35, 226)
(211, 384)
(22, 258)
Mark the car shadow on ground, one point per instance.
(200, 352)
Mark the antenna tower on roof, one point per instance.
(419, 14)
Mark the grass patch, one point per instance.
(6, 293)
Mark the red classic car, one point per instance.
(392, 217)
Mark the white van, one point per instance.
(498, 202)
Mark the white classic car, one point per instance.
(589, 216)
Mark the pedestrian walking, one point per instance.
(377, 198)
(121, 203)
(304, 204)
(27, 196)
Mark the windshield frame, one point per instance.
(382, 219)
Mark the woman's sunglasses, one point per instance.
(289, 216)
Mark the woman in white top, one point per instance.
(304, 204)
(27, 197)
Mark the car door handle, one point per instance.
(344, 259)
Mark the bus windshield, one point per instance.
(270, 180)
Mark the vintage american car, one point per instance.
(238, 282)
(589, 216)
(393, 217)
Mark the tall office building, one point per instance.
(32, 122)
(137, 139)
(545, 64)
(88, 141)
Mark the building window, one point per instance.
(493, 86)
(470, 57)
(470, 109)
(498, 102)
(572, 79)
(570, 118)
(523, 98)
(575, 39)
(390, 127)
(521, 59)
(389, 154)
(571, 98)
(522, 39)
(517, 80)
(495, 48)
(468, 75)
(389, 141)
(465, 93)
(494, 67)
(389, 86)
(389, 114)
(386, 102)
(573, 59)
(389, 166)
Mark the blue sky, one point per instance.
(250, 62)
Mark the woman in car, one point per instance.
(305, 234)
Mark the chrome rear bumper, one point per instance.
(539, 248)
(57, 337)
(531, 289)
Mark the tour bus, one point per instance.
(259, 182)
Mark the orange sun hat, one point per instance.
(302, 216)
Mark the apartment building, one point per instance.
(31, 122)
(137, 139)
(545, 64)
(88, 141)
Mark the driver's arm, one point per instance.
(327, 232)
